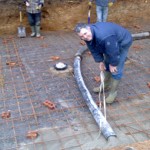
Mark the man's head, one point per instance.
(84, 31)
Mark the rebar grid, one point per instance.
(29, 82)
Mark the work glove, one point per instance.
(39, 6)
(90, 3)
(27, 4)
(110, 4)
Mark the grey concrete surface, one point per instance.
(70, 126)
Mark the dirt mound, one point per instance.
(65, 14)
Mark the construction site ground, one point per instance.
(43, 109)
(27, 81)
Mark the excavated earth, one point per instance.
(63, 15)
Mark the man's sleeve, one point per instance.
(112, 50)
(98, 57)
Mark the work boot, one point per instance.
(106, 82)
(113, 91)
(33, 31)
(37, 28)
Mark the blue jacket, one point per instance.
(107, 39)
(103, 3)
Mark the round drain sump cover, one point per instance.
(60, 66)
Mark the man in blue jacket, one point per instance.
(102, 9)
(109, 44)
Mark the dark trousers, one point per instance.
(34, 19)
(120, 68)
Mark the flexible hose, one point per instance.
(105, 128)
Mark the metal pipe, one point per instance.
(142, 35)
(97, 114)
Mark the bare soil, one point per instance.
(136, 146)
(132, 14)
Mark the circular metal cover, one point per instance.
(60, 66)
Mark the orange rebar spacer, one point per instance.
(97, 79)
(49, 104)
(6, 115)
(32, 134)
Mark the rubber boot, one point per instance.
(106, 82)
(37, 28)
(113, 91)
(33, 31)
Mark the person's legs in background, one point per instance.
(99, 13)
(104, 14)
(37, 24)
(31, 20)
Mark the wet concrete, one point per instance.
(26, 81)
(70, 126)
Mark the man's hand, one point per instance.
(27, 4)
(112, 69)
(102, 66)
